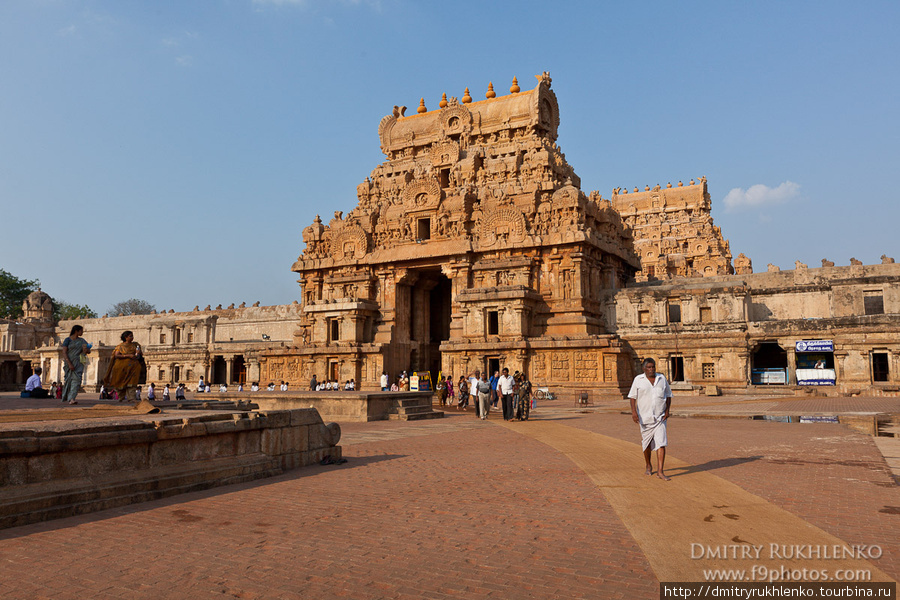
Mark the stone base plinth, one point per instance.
(347, 407)
(53, 469)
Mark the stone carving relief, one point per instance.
(350, 242)
(422, 193)
(585, 366)
(559, 366)
(503, 226)
(444, 153)
(455, 119)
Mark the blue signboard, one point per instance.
(815, 346)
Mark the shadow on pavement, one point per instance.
(711, 465)
(179, 500)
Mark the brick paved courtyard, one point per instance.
(452, 508)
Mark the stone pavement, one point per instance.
(459, 508)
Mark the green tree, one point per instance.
(63, 311)
(13, 292)
(132, 306)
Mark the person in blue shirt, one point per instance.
(33, 385)
(493, 381)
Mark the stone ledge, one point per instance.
(62, 468)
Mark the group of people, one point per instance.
(123, 374)
(400, 384)
(331, 386)
(511, 393)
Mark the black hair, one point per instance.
(76, 329)
(125, 334)
(648, 361)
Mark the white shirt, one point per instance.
(254, 388)
(505, 384)
(384, 380)
(650, 398)
(473, 385)
(33, 382)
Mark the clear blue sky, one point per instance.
(174, 150)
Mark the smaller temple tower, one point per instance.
(38, 307)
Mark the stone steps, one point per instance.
(413, 409)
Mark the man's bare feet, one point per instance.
(649, 471)
(663, 476)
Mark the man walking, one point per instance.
(505, 389)
(473, 391)
(651, 399)
(484, 396)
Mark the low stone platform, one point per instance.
(347, 407)
(60, 468)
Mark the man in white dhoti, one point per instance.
(651, 398)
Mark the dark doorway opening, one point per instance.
(880, 369)
(218, 372)
(8, 373)
(493, 365)
(238, 370)
(676, 368)
(768, 364)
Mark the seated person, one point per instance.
(33, 386)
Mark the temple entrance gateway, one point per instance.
(473, 240)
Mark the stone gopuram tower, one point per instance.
(471, 247)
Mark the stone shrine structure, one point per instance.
(674, 235)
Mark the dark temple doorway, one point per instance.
(427, 318)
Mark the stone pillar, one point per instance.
(253, 370)
(20, 367)
(791, 365)
(172, 373)
(839, 359)
(229, 367)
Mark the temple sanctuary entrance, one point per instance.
(425, 317)
(768, 364)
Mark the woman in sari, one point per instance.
(73, 350)
(463, 391)
(124, 372)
